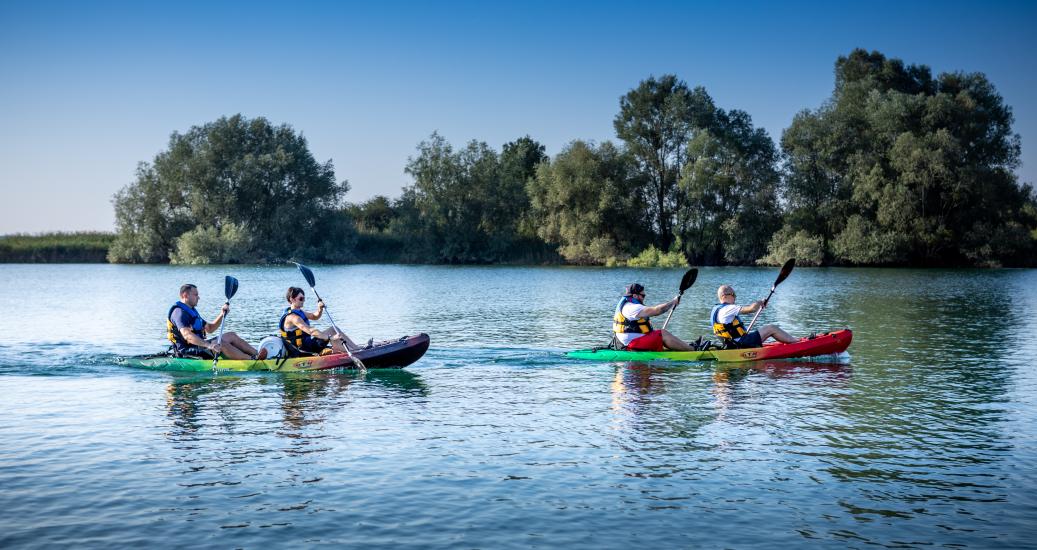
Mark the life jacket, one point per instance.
(297, 337)
(173, 333)
(728, 331)
(621, 324)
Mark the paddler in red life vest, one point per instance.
(186, 330)
(728, 325)
(634, 331)
(297, 332)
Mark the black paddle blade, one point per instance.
(230, 287)
(307, 274)
(689, 279)
(785, 271)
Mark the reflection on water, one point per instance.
(926, 435)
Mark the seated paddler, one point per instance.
(186, 330)
(633, 329)
(300, 336)
(728, 325)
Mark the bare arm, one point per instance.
(751, 308)
(291, 322)
(193, 338)
(319, 312)
(215, 324)
(660, 308)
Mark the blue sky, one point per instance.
(89, 89)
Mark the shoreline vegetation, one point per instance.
(59, 247)
(897, 168)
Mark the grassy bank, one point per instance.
(86, 246)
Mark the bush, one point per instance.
(208, 245)
(652, 257)
(787, 243)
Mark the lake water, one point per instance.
(924, 436)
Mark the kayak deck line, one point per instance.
(823, 344)
(390, 354)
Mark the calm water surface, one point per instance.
(924, 436)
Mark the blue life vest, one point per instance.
(728, 331)
(621, 325)
(195, 320)
(297, 337)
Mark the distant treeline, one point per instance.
(897, 167)
(85, 247)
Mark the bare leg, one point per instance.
(774, 331)
(351, 344)
(233, 347)
(674, 343)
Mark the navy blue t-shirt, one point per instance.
(181, 319)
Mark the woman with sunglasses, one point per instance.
(299, 334)
(729, 326)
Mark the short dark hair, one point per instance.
(634, 288)
(185, 288)
(293, 291)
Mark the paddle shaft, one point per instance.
(670, 314)
(759, 311)
(219, 338)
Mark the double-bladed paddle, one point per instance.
(307, 273)
(230, 288)
(686, 282)
(785, 270)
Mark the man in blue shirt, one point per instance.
(186, 331)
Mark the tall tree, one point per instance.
(730, 185)
(656, 120)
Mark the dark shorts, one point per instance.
(751, 340)
(653, 341)
(196, 351)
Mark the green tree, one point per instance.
(519, 160)
(260, 177)
(730, 187)
(463, 207)
(902, 167)
(656, 120)
(587, 202)
(373, 215)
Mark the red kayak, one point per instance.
(823, 344)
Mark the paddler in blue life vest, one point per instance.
(729, 326)
(634, 331)
(186, 330)
(295, 328)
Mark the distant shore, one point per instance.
(59, 247)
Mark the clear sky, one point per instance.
(89, 89)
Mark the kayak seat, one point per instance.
(294, 351)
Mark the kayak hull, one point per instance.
(823, 344)
(392, 354)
